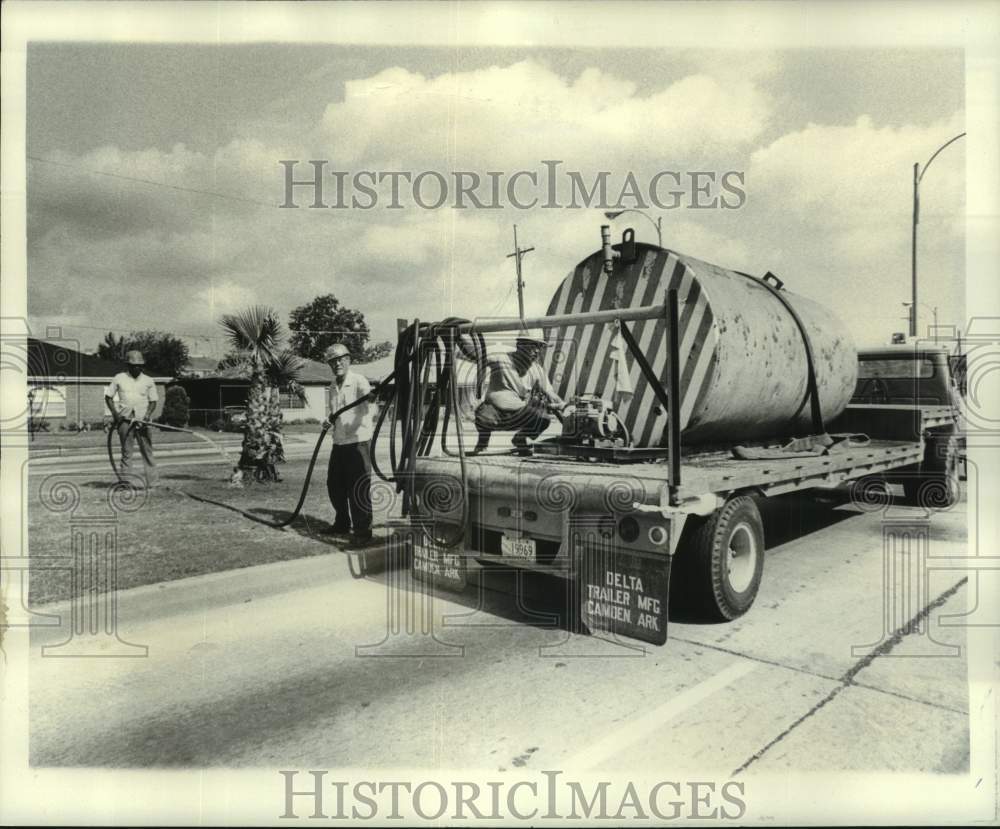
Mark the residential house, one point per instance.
(67, 386)
(199, 366)
(214, 391)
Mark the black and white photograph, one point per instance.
(500, 413)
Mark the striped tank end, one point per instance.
(578, 359)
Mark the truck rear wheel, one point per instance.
(936, 486)
(723, 559)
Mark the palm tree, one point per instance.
(256, 337)
(112, 348)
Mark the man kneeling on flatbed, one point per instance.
(520, 397)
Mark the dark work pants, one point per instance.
(529, 422)
(348, 483)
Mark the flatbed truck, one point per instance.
(619, 523)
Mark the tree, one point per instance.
(165, 354)
(176, 407)
(323, 322)
(282, 372)
(255, 336)
(378, 351)
(112, 348)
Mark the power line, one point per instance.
(326, 331)
(503, 301)
(149, 181)
(116, 330)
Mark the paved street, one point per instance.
(290, 665)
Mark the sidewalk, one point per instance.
(230, 443)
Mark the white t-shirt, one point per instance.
(354, 425)
(134, 393)
(509, 390)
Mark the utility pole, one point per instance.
(518, 254)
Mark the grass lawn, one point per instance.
(169, 536)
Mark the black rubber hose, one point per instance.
(420, 435)
(375, 435)
(278, 525)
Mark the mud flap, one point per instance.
(439, 564)
(624, 592)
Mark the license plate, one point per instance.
(522, 548)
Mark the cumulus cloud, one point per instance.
(834, 204)
(513, 116)
(100, 241)
(854, 175)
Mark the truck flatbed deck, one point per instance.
(702, 473)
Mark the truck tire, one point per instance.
(936, 486)
(723, 559)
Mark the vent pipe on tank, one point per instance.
(609, 256)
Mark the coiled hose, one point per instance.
(417, 428)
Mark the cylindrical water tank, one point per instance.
(743, 360)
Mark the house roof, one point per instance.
(315, 372)
(205, 364)
(312, 373)
(58, 362)
(376, 369)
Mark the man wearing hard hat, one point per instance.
(131, 395)
(520, 397)
(348, 476)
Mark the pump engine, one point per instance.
(589, 420)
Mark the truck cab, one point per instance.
(915, 377)
(906, 375)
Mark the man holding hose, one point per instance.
(136, 400)
(348, 477)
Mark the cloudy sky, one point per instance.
(120, 135)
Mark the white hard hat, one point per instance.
(336, 351)
(531, 335)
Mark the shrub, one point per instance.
(218, 425)
(176, 407)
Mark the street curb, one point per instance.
(240, 585)
(175, 450)
(50, 460)
(224, 588)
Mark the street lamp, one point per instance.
(614, 214)
(918, 174)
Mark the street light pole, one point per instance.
(913, 251)
(614, 214)
(933, 310)
(918, 175)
